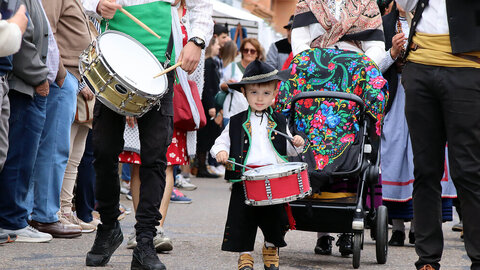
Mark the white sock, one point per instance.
(412, 228)
(246, 252)
(269, 245)
(398, 225)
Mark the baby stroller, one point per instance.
(335, 98)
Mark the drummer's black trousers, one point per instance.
(156, 129)
(443, 106)
(243, 222)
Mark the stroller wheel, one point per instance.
(381, 235)
(357, 246)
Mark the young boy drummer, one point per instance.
(247, 140)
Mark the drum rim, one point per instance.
(303, 167)
(114, 74)
(279, 200)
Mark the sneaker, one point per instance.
(125, 210)
(74, 220)
(4, 238)
(245, 262)
(398, 239)
(125, 187)
(220, 169)
(345, 244)
(129, 195)
(182, 183)
(132, 240)
(178, 197)
(270, 258)
(145, 257)
(161, 242)
(29, 235)
(107, 240)
(324, 245)
(458, 227)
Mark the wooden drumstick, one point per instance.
(144, 26)
(238, 164)
(168, 70)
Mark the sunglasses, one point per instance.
(249, 51)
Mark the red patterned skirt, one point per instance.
(176, 152)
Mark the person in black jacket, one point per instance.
(208, 134)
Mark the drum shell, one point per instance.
(283, 188)
(110, 89)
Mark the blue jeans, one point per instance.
(53, 151)
(126, 172)
(27, 117)
(85, 193)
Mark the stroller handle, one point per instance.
(329, 94)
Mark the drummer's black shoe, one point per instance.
(345, 244)
(398, 239)
(107, 240)
(145, 256)
(245, 262)
(271, 260)
(324, 245)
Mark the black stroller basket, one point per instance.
(351, 216)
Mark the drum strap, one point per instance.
(168, 52)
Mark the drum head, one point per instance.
(273, 171)
(132, 62)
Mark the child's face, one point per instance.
(260, 96)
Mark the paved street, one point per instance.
(197, 231)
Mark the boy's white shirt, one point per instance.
(261, 149)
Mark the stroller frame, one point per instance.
(310, 214)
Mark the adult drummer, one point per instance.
(155, 127)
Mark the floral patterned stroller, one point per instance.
(336, 99)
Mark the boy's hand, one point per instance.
(222, 157)
(298, 141)
(131, 121)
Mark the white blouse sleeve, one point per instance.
(387, 62)
(375, 50)
(292, 151)
(10, 38)
(222, 143)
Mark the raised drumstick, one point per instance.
(144, 26)
(168, 70)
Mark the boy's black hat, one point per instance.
(260, 72)
(290, 23)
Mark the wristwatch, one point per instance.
(198, 41)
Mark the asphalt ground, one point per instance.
(197, 230)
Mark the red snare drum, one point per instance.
(276, 184)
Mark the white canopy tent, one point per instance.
(224, 13)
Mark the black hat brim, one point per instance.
(280, 76)
(288, 26)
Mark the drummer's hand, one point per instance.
(131, 121)
(222, 157)
(107, 8)
(87, 93)
(298, 141)
(190, 56)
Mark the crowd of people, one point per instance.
(61, 149)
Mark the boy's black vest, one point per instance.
(240, 132)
